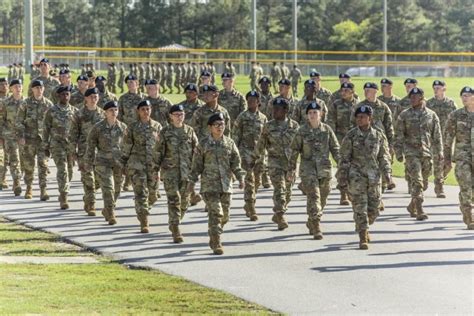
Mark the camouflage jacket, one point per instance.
(402, 106)
(299, 114)
(104, 144)
(381, 117)
(314, 146)
(82, 123)
(459, 130)
(189, 109)
(105, 97)
(128, 107)
(340, 116)
(29, 119)
(50, 84)
(264, 99)
(57, 125)
(159, 109)
(323, 94)
(234, 102)
(442, 108)
(200, 117)
(216, 161)
(393, 103)
(295, 75)
(291, 109)
(9, 109)
(337, 96)
(77, 99)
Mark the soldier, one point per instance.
(104, 145)
(29, 131)
(3, 156)
(284, 93)
(247, 130)
(388, 97)
(159, 104)
(121, 77)
(442, 106)
(104, 94)
(77, 97)
(265, 93)
(216, 160)
(276, 138)
(169, 77)
(49, 82)
(202, 114)
(212, 70)
(57, 123)
(299, 114)
(285, 72)
(177, 78)
(275, 74)
(82, 123)
(314, 141)
(205, 78)
(295, 77)
(459, 130)
(9, 108)
(91, 76)
(231, 99)
(191, 103)
(418, 140)
(83, 70)
(365, 159)
(21, 72)
(339, 119)
(231, 69)
(173, 156)
(253, 76)
(404, 104)
(137, 154)
(320, 92)
(343, 78)
(10, 75)
(112, 82)
(261, 165)
(141, 76)
(164, 76)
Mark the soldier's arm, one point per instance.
(92, 143)
(47, 125)
(243, 103)
(399, 138)
(332, 117)
(383, 158)
(449, 136)
(194, 123)
(342, 174)
(296, 148)
(20, 121)
(121, 112)
(197, 165)
(437, 138)
(388, 125)
(228, 127)
(334, 147)
(235, 163)
(2, 118)
(127, 146)
(259, 150)
(237, 131)
(74, 133)
(159, 151)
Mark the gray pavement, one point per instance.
(411, 267)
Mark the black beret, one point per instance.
(467, 90)
(205, 73)
(227, 75)
(252, 93)
(3, 79)
(371, 85)
(176, 108)
(264, 79)
(130, 77)
(100, 78)
(410, 80)
(44, 60)
(64, 71)
(143, 103)
(416, 91)
(313, 106)
(191, 87)
(439, 83)
(110, 104)
(310, 82)
(151, 82)
(83, 78)
(314, 74)
(62, 89)
(364, 109)
(386, 81)
(344, 75)
(37, 83)
(209, 87)
(15, 81)
(347, 85)
(281, 102)
(215, 117)
(285, 82)
(91, 91)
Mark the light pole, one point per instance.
(28, 7)
(385, 38)
(254, 29)
(295, 31)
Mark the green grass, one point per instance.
(103, 288)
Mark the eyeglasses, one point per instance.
(178, 114)
(219, 125)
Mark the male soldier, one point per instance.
(57, 123)
(212, 70)
(8, 111)
(253, 76)
(320, 92)
(104, 94)
(21, 72)
(339, 119)
(29, 131)
(77, 97)
(231, 99)
(388, 97)
(299, 114)
(365, 158)
(64, 80)
(177, 78)
(148, 71)
(91, 76)
(163, 76)
(82, 123)
(111, 73)
(295, 77)
(49, 82)
(216, 160)
(418, 140)
(404, 104)
(121, 77)
(276, 138)
(159, 104)
(141, 77)
(202, 114)
(261, 165)
(314, 141)
(104, 144)
(285, 72)
(10, 75)
(459, 130)
(137, 154)
(246, 131)
(381, 119)
(169, 77)
(191, 103)
(173, 156)
(128, 109)
(3, 157)
(343, 78)
(275, 74)
(284, 93)
(265, 93)
(442, 106)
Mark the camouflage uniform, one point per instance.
(314, 146)
(295, 76)
(82, 123)
(418, 139)
(169, 77)
(246, 132)
(291, 108)
(253, 77)
(339, 117)
(264, 101)
(234, 102)
(105, 97)
(275, 74)
(201, 116)
(299, 114)
(121, 78)
(128, 107)
(403, 104)
(50, 85)
(323, 94)
(104, 145)
(177, 78)
(159, 109)
(459, 130)
(393, 103)
(337, 96)
(189, 109)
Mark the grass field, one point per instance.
(102, 288)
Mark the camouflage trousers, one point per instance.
(110, 179)
(88, 182)
(253, 84)
(169, 83)
(31, 150)
(418, 170)
(294, 87)
(12, 152)
(261, 172)
(250, 187)
(63, 168)
(366, 197)
(177, 85)
(217, 205)
(143, 182)
(3, 164)
(281, 190)
(178, 198)
(465, 177)
(317, 191)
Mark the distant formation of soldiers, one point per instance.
(267, 137)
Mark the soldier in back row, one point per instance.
(231, 99)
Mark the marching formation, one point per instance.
(215, 137)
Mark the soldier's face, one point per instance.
(253, 103)
(16, 89)
(217, 129)
(100, 85)
(386, 88)
(363, 120)
(152, 89)
(65, 79)
(283, 88)
(370, 93)
(467, 99)
(279, 112)
(111, 113)
(132, 85)
(144, 113)
(64, 97)
(409, 86)
(82, 85)
(347, 93)
(92, 99)
(344, 80)
(210, 96)
(228, 83)
(264, 86)
(314, 116)
(177, 118)
(191, 95)
(317, 80)
(205, 80)
(44, 68)
(439, 90)
(3, 87)
(308, 90)
(416, 99)
(38, 91)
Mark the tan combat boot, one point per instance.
(250, 212)
(282, 223)
(16, 187)
(344, 198)
(29, 192)
(144, 228)
(309, 225)
(63, 202)
(266, 180)
(43, 194)
(111, 218)
(195, 198)
(363, 242)
(106, 214)
(420, 214)
(439, 190)
(176, 233)
(152, 198)
(391, 186)
(91, 209)
(218, 249)
(411, 209)
(317, 233)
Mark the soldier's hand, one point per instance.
(21, 141)
(47, 153)
(190, 187)
(85, 167)
(400, 158)
(290, 176)
(241, 184)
